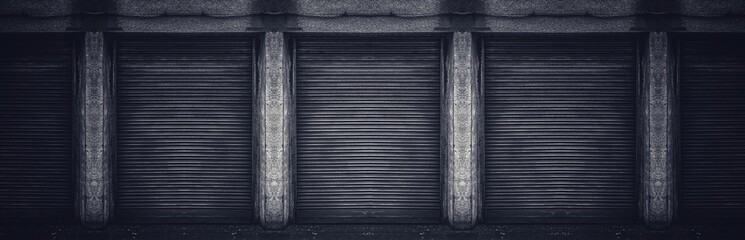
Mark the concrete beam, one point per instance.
(658, 181)
(94, 109)
(274, 129)
(462, 113)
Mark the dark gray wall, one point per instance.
(373, 16)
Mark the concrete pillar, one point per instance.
(658, 182)
(462, 133)
(274, 116)
(93, 115)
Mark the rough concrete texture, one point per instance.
(711, 8)
(147, 8)
(41, 8)
(94, 170)
(366, 7)
(462, 134)
(373, 16)
(352, 232)
(657, 99)
(274, 140)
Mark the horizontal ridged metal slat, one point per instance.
(36, 93)
(560, 127)
(184, 143)
(712, 94)
(368, 129)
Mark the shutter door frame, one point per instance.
(60, 215)
(251, 216)
(431, 218)
(629, 217)
(698, 214)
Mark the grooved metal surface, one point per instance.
(560, 129)
(712, 94)
(368, 129)
(36, 91)
(184, 129)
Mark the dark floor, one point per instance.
(351, 232)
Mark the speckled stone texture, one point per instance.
(657, 128)
(374, 16)
(94, 147)
(462, 133)
(274, 199)
(388, 232)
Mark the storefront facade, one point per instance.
(288, 118)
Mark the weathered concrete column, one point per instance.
(658, 183)
(94, 103)
(462, 113)
(274, 105)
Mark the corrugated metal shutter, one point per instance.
(184, 129)
(368, 129)
(712, 94)
(560, 129)
(36, 86)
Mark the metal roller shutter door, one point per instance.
(560, 129)
(712, 94)
(184, 129)
(36, 82)
(368, 129)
